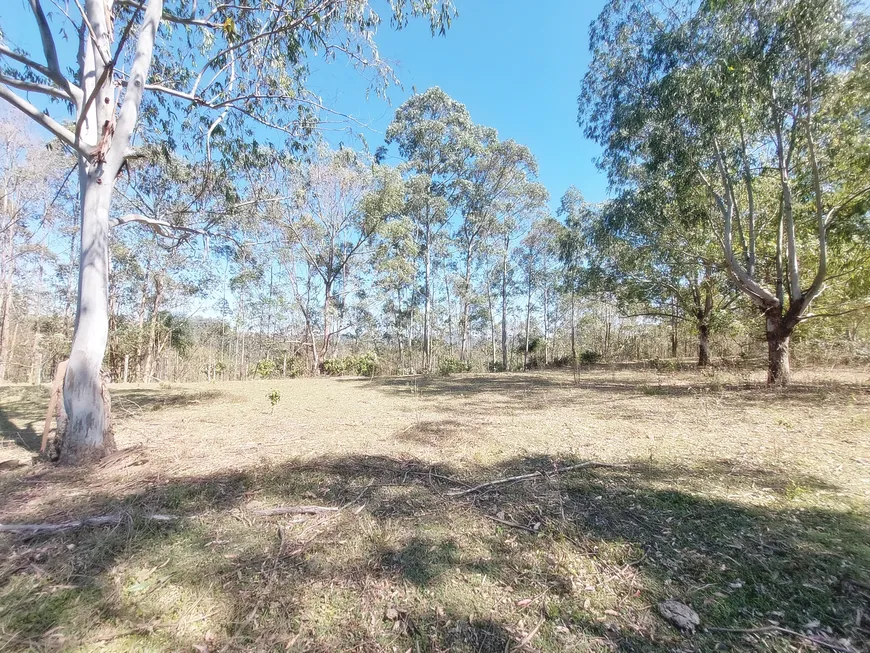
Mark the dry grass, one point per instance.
(749, 504)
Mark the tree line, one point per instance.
(167, 235)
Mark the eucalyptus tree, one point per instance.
(437, 139)
(532, 257)
(395, 272)
(514, 201)
(574, 250)
(338, 202)
(653, 253)
(215, 68)
(746, 100)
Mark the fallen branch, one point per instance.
(293, 510)
(101, 520)
(528, 638)
(512, 524)
(780, 629)
(524, 477)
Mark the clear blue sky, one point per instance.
(516, 66)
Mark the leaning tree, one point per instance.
(144, 71)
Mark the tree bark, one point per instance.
(427, 303)
(528, 322)
(504, 341)
(86, 399)
(778, 351)
(703, 345)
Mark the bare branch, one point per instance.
(20, 58)
(48, 122)
(129, 113)
(34, 87)
(172, 18)
(160, 227)
(53, 70)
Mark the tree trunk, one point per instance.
(85, 395)
(465, 344)
(546, 325)
(573, 328)
(9, 271)
(504, 342)
(491, 319)
(528, 322)
(778, 354)
(152, 332)
(703, 345)
(427, 305)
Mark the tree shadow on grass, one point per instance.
(132, 400)
(22, 411)
(569, 560)
(540, 391)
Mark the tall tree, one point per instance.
(221, 66)
(436, 137)
(723, 94)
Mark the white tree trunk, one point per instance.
(89, 435)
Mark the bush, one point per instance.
(496, 367)
(589, 357)
(265, 368)
(366, 365)
(362, 365)
(562, 361)
(333, 366)
(451, 365)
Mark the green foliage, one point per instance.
(265, 368)
(589, 357)
(274, 397)
(362, 365)
(451, 365)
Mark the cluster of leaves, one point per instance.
(363, 365)
(451, 365)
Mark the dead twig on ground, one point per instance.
(512, 524)
(528, 638)
(102, 520)
(538, 474)
(294, 510)
(786, 631)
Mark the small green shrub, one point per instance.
(362, 365)
(451, 365)
(496, 367)
(274, 397)
(589, 357)
(265, 368)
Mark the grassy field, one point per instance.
(750, 505)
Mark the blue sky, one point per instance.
(516, 65)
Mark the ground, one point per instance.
(750, 505)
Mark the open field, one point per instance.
(751, 505)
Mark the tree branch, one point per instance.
(160, 227)
(46, 121)
(129, 114)
(20, 58)
(53, 69)
(34, 87)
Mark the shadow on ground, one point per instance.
(22, 411)
(549, 389)
(566, 560)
